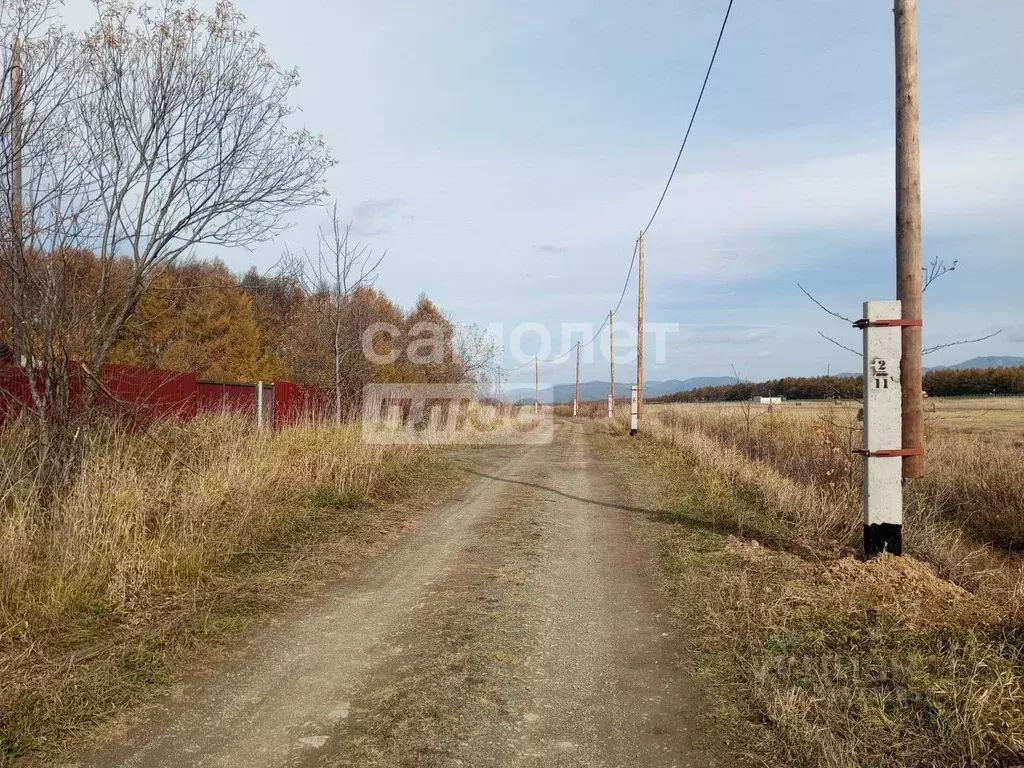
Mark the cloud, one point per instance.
(550, 249)
(729, 335)
(774, 202)
(376, 217)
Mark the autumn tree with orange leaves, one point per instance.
(159, 132)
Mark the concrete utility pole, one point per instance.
(611, 358)
(908, 233)
(536, 385)
(576, 398)
(640, 333)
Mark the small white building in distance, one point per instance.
(770, 400)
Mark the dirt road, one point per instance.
(515, 627)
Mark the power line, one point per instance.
(657, 208)
(629, 274)
(622, 296)
(693, 117)
(517, 368)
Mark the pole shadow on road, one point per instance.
(764, 538)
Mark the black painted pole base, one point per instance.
(883, 537)
(632, 433)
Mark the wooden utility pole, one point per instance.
(17, 210)
(611, 358)
(536, 384)
(640, 332)
(576, 398)
(908, 232)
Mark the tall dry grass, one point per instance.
(966, 516)
(163, 543)
(153, 514)
(816, 658)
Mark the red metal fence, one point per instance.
(147, 394)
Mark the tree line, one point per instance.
(161, 133)
(937, 383)
(201, 317)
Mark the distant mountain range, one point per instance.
(982, 362)
(598, 390)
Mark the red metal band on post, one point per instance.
(904, 323)
(890, 453)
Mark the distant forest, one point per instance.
(939, 383)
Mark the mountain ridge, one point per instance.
(598, 390)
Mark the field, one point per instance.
(982, 416)
(821, 659)
(971, 491)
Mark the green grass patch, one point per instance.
(333, 499)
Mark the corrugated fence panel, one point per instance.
(143, 395)
(14, 390)
(297, 405)
(226, 397)
(151, 392)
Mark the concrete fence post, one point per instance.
(883, 430)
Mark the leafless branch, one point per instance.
(841, 346)
(935, 270)
(477, 354)
(829, 422)
(937, 347)
(339, 269)
(121, 151)
(822, 306)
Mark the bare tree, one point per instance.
(176, 133)
(339, 269)
(936, 269)
(42, 203)
(476, 355)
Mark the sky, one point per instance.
(505, 154)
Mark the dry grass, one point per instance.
(966, 517)
(982, 416)
(815, 658)
(162, 543)
(822, 660)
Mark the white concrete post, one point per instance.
(611, 406)
(259, 405)
(634, 402)
(883, 430)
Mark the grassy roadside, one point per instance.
(148, 565)
(811, 657)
